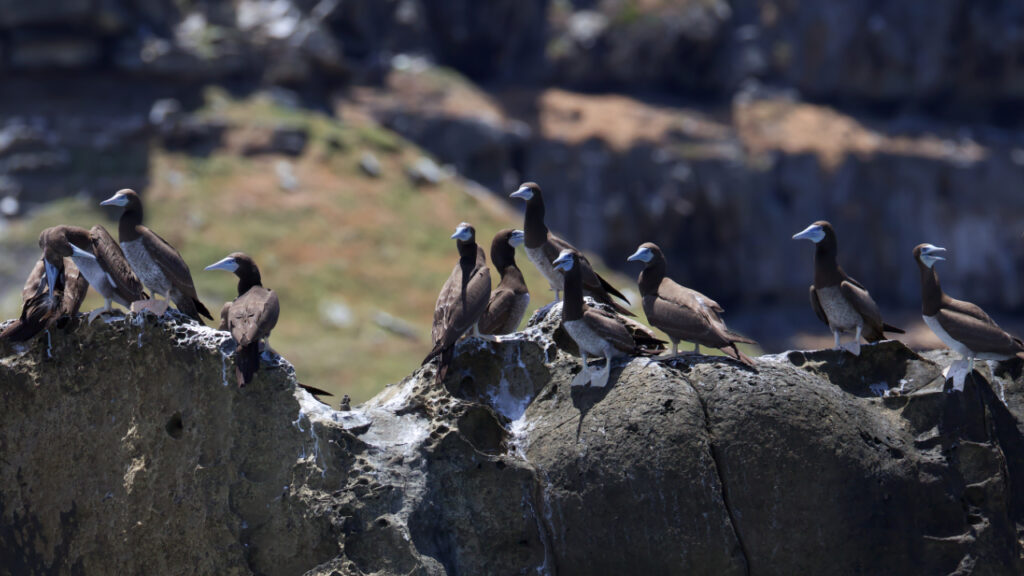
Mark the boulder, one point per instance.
(120, 433)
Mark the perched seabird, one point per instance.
(962, 326)
(510, 299)
(53, 292)
(250, 317)
(596, 331)
(158, 265)
(841, 302)
(462, 300)
(680, 312)
(101, 262)
(542, 247)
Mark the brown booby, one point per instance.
(542, 247)
(54, 290)
(249, 317)
(158, 265)
(510, 299)
(680, 312)
(841, 302)
(962, 326)
(101, 262)
(462, 300)
(597, 332)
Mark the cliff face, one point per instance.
(126, 452)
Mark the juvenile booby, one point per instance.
(249, 317)
(543, 247)
(596, 331)
(158, 265)
(962, 326)
(841, 302)
(680, 312)
(462, 300)
(101, 262)
(54, 291)
(510, 299)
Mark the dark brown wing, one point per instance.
(457, 308)
(36, 282)
(499, 310)
(76, 288)
(111, 259)
(861, 301)
(224, 315)
(169, 260)
(968, 309)
(253, 315)
(816, 306)
(977, 331)
(609, 327)
(593, 284)
(443, 308)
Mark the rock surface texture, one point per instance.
(123, 451)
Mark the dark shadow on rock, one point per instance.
(1008, 436)
(880, 367)
(584, 398)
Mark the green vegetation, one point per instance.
(340, 241)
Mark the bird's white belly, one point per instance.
(841, 315)
(145, 268)
(94, 273)
(948, 340)
(540, 260)
(587, 339)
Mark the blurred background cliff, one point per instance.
(340, 141)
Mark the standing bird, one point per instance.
(250, 317)
(462, 300)
(158, 265)
(682, 313)
(596, 331)
(510, 299)
(542, 247)
(962, 326)
(55, 289)
(841, 302)
(101, 262)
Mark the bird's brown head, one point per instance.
(126, 198)
(464, 233)
(649, 253)
(528, 191)
(820, 231)
(927, 254)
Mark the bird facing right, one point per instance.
(962, 326)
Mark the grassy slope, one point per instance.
(372, 244)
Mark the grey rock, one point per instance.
(369, 164)
(425, 171)
(696, 466)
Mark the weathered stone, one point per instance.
(695, 466)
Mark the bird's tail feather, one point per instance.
(893, 329)
(201, 308)
(733, 352)
(611, 289)
(247, 362)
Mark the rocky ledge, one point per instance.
(124, 449)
